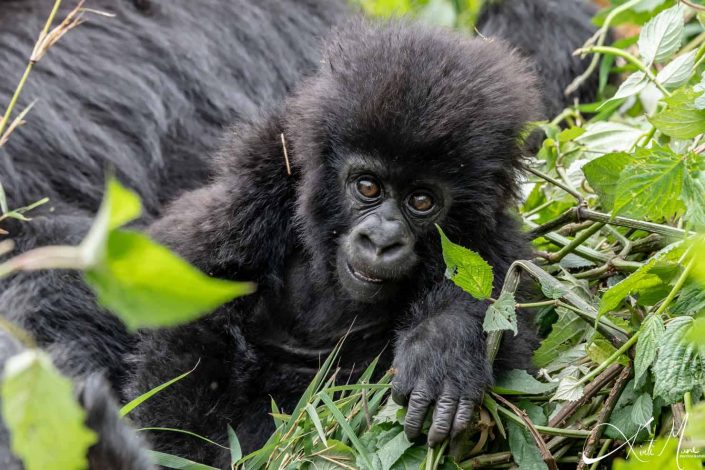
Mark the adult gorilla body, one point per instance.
(400, 128)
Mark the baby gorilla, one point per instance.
(403, 127)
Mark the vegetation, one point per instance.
(615, 205)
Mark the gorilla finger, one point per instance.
(463, 416)
(419, 402)
(443, 415)
(400, 398)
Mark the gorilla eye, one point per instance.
(421, 202)
(368, 187)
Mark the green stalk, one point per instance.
(28, 69)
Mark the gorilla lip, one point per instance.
(363, 277)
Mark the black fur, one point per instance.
(548, 31)
(430, 104)
(146, 94)
(118, 448)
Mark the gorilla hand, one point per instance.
(441, 362)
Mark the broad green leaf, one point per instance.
(119, 206)
(603, 175)
(661, 37)
(681, 119)
(603, 137)
(501, 315)
(570, 134)
(46, 423)
(552, 290)
(677, 72)
(520, 382)
(599, 349)
(643, 409)
(147, 285)
(622, 425)
(411, 459)
(678, 367)
(646, 346)
(466, 269)
(694, 199)
(393, 450)
(633, 85)
(640, 280)
(569, 389)
(525, 453)
(651, 186)
(566, 332)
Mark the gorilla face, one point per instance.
(386, 217)
(409, 128)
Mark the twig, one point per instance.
(545, 453)
(600, 35)
(575, 243)
(286, 155)
(605, 413)
(555, 182)
(591, 390)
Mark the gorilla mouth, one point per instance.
(363, 276)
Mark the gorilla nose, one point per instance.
(385, 242)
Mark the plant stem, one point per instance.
(676, 287)
(610, 360)
(576, 242)
(28, 69)
(605, 413)
(629, 58)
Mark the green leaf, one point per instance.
(643, 410)
(651, 186)
(411, 459)
(640, 280)
(46, 423)
(179, 463)
(127, 408)
(393, 450)
(347, 430)
(646, 346)
(661, 37)
(678, 367)
(570, 134)
(147, 285)
(524, 450)
(603, 137)
(501, 315)
(234, 444)
(622, 426)
(694, 199)
(566, 332)
(677, 72)
(603, 175)
(681, 119)
(634, 84)
(466, 269)
(520, 382)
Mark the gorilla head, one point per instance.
(405, 129)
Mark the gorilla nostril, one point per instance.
(366, 243)
(390, 250)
